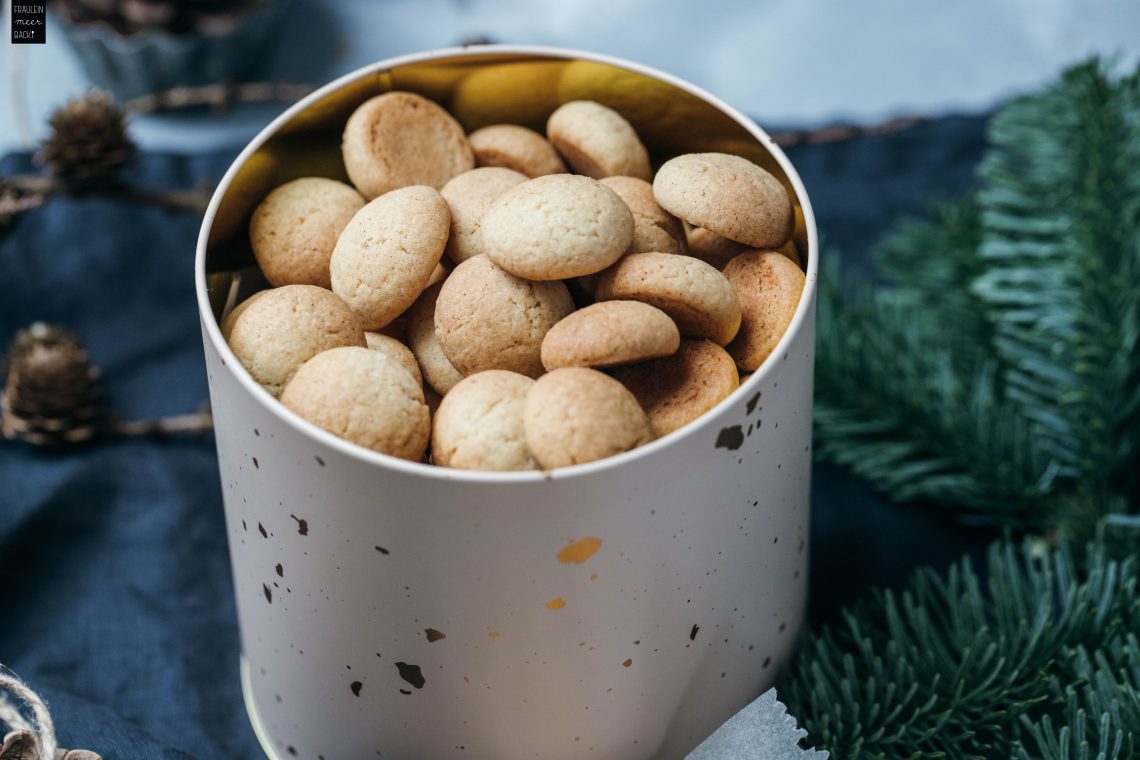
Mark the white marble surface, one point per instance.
(801, 62)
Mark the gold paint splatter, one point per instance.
(556, 603)
(580, 551)
(494, 634)
(627, 663)
(594, 576)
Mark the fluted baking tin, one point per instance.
(619, 609)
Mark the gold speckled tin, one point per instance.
(618, 609)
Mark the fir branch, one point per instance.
(960, 667)
(918, 415)
(1061, 202)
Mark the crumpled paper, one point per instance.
(761, 731)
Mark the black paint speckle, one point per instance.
(693, 633)
(731, 438)
(382, 550)
(356, 686)
(280, 570)
(750, 407)
(320, 461)
(767, 662)
(262, 530)
(404, 691)
(302, 525)
(291, 750)
(433, 635)
(256, 466)
(268, 593)
(244, 526)
(411, 673)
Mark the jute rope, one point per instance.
(16, 698)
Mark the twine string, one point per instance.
(14, 694)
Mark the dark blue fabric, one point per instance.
(115, 590)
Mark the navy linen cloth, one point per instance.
(115, 589)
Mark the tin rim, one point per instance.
(212, 329)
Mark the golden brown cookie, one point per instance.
(437, 370)
(388, 252)
(479, 425)
(283, 328)
(399, 139)
(597, 141)
(654, 228)
(677, 389)
(728, 195)
(575, 415)
(486, 318)
(294, 230)
(556, 227)
(513, 147)
(227, 324)
(769, 286)
(469, 196)
(712, 248)
(609, 334)
(699, 298)
(396, 351)
(364, 397)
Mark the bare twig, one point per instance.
(839, 132)
(189, 200)
(219, 97)
(193, 424)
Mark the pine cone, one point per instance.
(89, 141)
(51, 392)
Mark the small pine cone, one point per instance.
(51, 392)
(89, 141)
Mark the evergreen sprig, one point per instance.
(996, 369)
(961, 666)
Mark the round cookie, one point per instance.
(396, 351)
(294, 230)
(654, 228)
(439, 373)
(575, 415)
(399, 139)
(285, 327)
(597, 141)
(513, 147)
(699, 298)
(728, 195)
(468, 196)
(711, 248)
(556, 227)
(677, 389)
(364, 397)
(388, 252)
(769, 286)
(486, 318)
(227, 325)
(609, 334)
(479, 425)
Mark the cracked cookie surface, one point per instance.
(479, 424)
(486, 318)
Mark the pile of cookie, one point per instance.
(468, 291)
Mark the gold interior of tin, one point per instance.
(478, 90)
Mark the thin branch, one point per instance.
(194, 424)
(189, 200)
(219, 97)
(839, 132)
